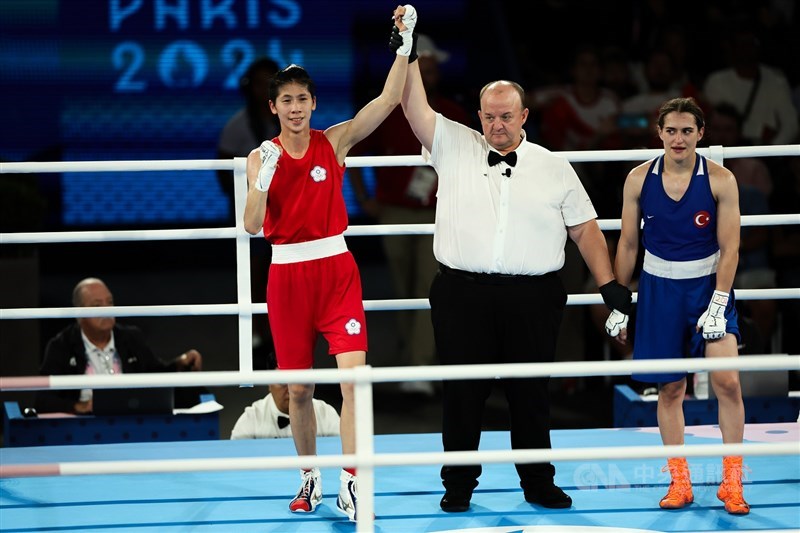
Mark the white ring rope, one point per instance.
(368, 374)
(116, 166)
(399, 304)
(45, 237)
(381, 161)
(352, 231)
(364, 377)
(151, 466)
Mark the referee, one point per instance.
(505, 208)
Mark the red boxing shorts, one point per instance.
(307, 298)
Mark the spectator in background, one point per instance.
(582, 115)
(245, 130)
(407, 195)
(755, 185)
(786, 253)
(674, 42)
(251, 124)
(103, 346)
(640, 111)
(617, 74)
(268, 418)
(760, 93)
(725, 129)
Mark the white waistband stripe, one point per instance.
(680, 269)
(308, 251)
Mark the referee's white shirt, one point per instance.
(488, 222)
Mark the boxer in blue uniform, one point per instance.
(679, 274)
(690, 209)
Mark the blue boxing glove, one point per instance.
(713, 320)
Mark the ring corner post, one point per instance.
(365, 450)
(244, 299)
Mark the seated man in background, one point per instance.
(101, 346)
(268, 418)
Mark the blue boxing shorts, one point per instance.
(667, 311)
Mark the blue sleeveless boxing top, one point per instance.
(683, 230)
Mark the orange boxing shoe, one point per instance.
(730, 490)
(680, 489)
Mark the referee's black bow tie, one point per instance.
(283, 421)
(510, 158)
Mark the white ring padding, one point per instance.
(150, 466)
(369, 374)
(397, 304)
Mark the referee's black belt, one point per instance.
(493, 279)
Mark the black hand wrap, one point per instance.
(413, 55)
(616, 296)
(396, 41)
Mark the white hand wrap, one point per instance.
(270, 152)
(713, 321)
(616, 322)
(408, 41)
(410, 18)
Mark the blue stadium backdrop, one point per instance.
(86, 80)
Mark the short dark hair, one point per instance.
(682, 105)
(291, 74)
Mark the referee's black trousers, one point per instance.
(482, 319)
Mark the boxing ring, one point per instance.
(613, 475)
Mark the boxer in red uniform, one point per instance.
(295, 194)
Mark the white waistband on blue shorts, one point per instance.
(308, 251)
(680, 269)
